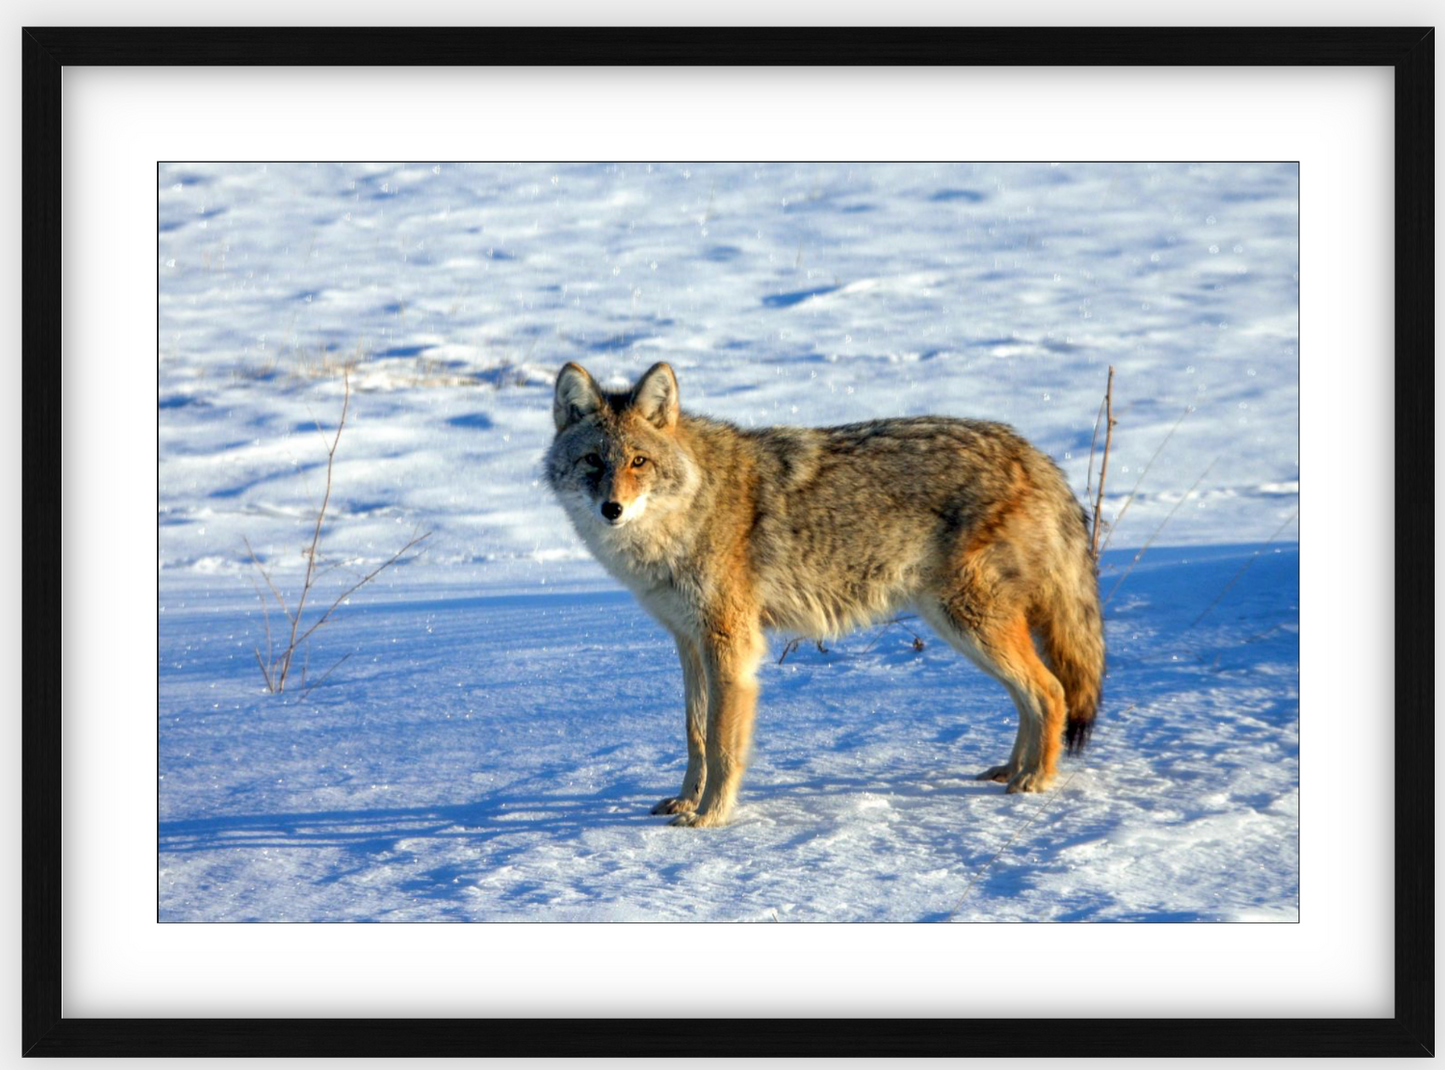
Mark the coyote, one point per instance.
(722, 532)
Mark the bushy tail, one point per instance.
(1071, 627)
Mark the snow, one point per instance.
(506, 715)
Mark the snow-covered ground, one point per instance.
(506, 714)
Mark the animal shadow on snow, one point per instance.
(498, 826)
(504, 826)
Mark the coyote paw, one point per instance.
(698, 821)
(1029, 781)
(999, 774)
(677, 805)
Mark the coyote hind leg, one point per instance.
(1005, 650)
(1002, 774)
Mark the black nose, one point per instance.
(611, 510)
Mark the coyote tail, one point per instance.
(1072, 632)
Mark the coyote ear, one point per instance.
(576, 396)
(655, 396)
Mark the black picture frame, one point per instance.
(1410, 51)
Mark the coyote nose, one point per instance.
(611, 510)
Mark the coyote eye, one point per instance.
(592, 459)
(639, 461)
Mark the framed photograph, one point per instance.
(1061, 327)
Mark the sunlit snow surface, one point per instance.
(507, 714)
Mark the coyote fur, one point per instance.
(723, 532)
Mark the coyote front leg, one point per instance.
(730, 661)
(694, 686)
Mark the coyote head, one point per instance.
(616, 457)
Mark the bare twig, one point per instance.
(310, 578)
(317, 424)
(1150, 541)
(256, 561)
(324, 675)
(1104, 461)
(264, 673)
(885, 625)
(360, 583)
(276, 668)
(1093, 441)
(797, 641)
(329, 569)
(1129, 500)
(266, 619)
